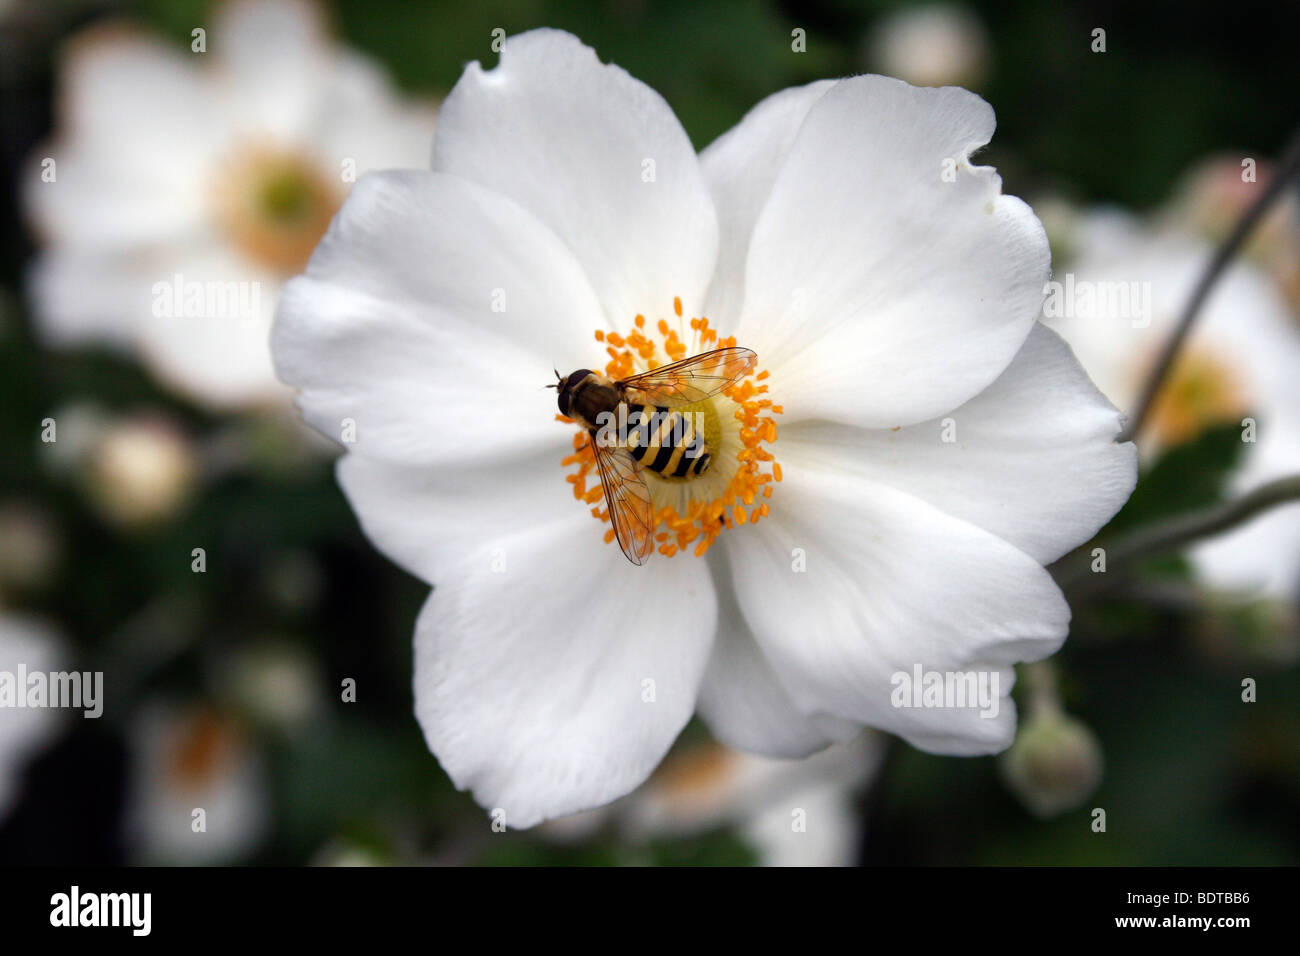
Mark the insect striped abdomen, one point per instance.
(666, 442)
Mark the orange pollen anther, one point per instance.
(690, 513)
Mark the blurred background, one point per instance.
(166, 520)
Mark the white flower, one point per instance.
(198, 788)
(1216, 192)
(789, 812)
(184, 187)
(552, 675)
(26, 645)
(1240, 362)
(792, 812)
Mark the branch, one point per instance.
(1176, 532)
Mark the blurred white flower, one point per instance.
(141, 469)
(792, 812)
(183, 187)
(135, 468)
(1242, 361)
(275, 683)
(888, 305)
(801, 812)
(198, 792)
(24, 643)
(938, 45)
(1215, 194)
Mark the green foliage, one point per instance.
(1188, 477)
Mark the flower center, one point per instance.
(696, 776)
(1201, 391)
(202, 744)
(275, 206)
(736, 425)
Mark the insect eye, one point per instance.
(567, 385)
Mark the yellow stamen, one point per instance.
(1202, 391)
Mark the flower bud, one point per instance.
(30, 546)
(274, 683)
(940, 45)
(141, 471)
(1054, 765)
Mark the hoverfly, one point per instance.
(656, 436)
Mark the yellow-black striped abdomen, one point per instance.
(666, 442)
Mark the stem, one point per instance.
(1288, 167)
(1042, 694)
(1176, 532)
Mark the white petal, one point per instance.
(140, 98)
(1260, 558)
(741, 165)
(107, 198)
(86, 297)
(363, 120)
(394, 325)
(428, 519)
(703, 787)
(742, 699)
(574, 142)
(134, 157)
(890, 583)
(214, 346)
(557, 684)
(1034, 459)
(232, 788)
(877, 293)
(831, 834)
(272, 61)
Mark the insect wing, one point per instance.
(690, 380)
(630, 508)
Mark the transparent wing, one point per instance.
(630, 510)
(690, 380)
